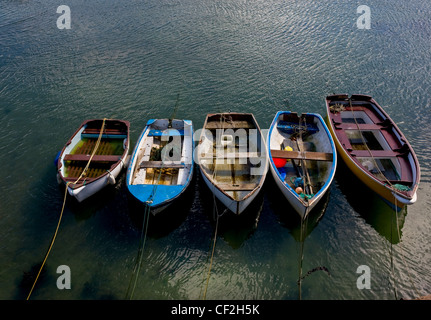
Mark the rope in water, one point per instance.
(143, 239)
(216, 215)
(211, 260)
(144, 229)
(64, 203)
(301, 254)
(395, 187)
(402, 248)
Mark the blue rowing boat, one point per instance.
(161, 165)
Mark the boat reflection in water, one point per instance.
(370, 205)
(299, 229)
(233, 228)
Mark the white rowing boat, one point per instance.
(232, 158)
(106, 163)
(302, 158)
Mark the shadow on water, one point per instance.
(369, 205)
(287, 215)
(234, 229)
(39, 211)
(25, 284)
(298, 228)
(42, 212)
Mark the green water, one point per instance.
(129, 60)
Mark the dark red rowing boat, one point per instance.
(373, 147)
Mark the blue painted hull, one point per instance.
(155, 194)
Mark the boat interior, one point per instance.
(302, 152)
(232, 153)
(108, 153)
(372, 141)
(163, 154)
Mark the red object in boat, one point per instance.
(279, 162)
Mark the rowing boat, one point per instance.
(232, 158)
(93, 157)
(161, 165)
(374, 148)
(302, 158)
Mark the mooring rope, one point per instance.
(142, 242)
(50, 245)
(301, 253)
(393, 187)
(143, 239)
(64, 203)
(216, 215)
(402, 249)
(392, 258)
(211, 260)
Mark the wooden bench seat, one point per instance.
(232, 155)
(238, 187)
(96, 158)
(229, 125)
(302, 155)
(375, 153)
(359, 126)
(161, 164)
(106, 131)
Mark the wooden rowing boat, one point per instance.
(161, 165)
(106, 164)
(232, 159)
(374, 148)
(302, 158)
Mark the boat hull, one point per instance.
(388, 195)
(92, 188)
(235, 206)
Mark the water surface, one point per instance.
(129, 60)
